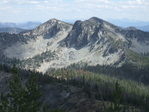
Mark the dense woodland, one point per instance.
(124, 87)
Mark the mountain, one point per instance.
(27, 25)
(143, 28)
(57, 44)
(127, 23)
(90, 31)
(11, 30)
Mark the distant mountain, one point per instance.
(127, 22)
(11, 30)
(143, 28)
(57, 44)
(131, 28)
(28, 25)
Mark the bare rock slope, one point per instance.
(92, 41)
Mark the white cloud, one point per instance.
(33, 2)
(77, 9)
(4, 1)
(5, 8)
(46, 1)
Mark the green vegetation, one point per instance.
(122, 94)
(117, 94)
(35, 62)
(140, 60)
(127, 71)
(95, 78)
(23, 97)
(118, 43)
(30, 63)
(101, 87)
(115, 105)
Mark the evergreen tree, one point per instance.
(117, 97)
(115, 106)
(22, 97)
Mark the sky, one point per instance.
(42, 10)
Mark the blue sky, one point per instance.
(43, 10)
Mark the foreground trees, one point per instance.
(23, 96)
(122, 95)
(116, 104)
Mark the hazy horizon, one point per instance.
(19, 11)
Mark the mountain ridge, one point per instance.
(11, 30)
(27, 25)
(93, 41)
(95, 24)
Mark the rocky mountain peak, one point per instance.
(77, 24)
(53, 21)
(104, 24)
(131, 28)
(80, 34)
(96, 20)
(51, 27)
(93, 41)
(90, 31)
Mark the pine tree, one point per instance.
(117, 97)
(22, 97)
(115, 105)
